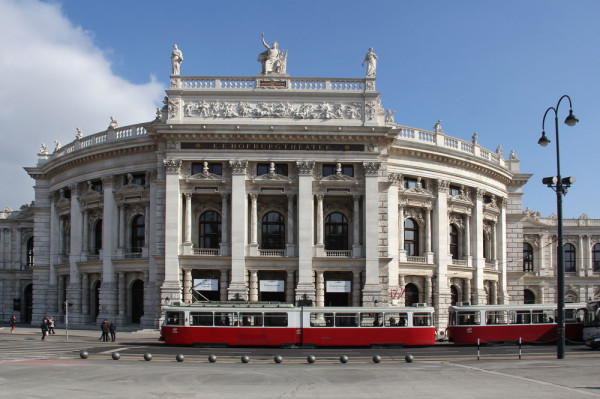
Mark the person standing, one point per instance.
(104, 328)
(13, 321)
(44, 328)
(112, 328)
(51, 325)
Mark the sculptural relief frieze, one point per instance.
(285, 109)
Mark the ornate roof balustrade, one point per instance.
(284, 82)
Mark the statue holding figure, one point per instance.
(371, 60)
(176, 59)
(272, 59)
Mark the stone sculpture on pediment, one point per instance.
(457, 220)
(414, 213)
(271, 176)
(513, 156)
(272, 59)
(205, 174)
(43, 149)
(339, 176)
(56, 145)
(176, 60)
(533, 215)
(438, 127)
(79, 134)
(371, 60)
(389, 116)
(113, 124)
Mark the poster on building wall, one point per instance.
(272, 286)
(206, 284)
(338, 286)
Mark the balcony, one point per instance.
(338, 254)
(206, 251)
(272, 252)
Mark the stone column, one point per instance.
(223, 285)
(108, 294)
(147, 222)
(320, 221)
(122, 295)
(61, 238)
(393, 232)
(290, 227)
(171, 287)
(254, 219)
(428, 291)
(428, 230)
(305, 284)
(467, 291)
(187, 243)
(74, 288)
(355, 288)
(580, 263)
(253, 286)
(239, 229)
(503, 254)
(86, 231)
(590, 262)
(478, 259)
(289, 287)
(468, 253)
(18, 239)
(187, 285)
(372, 288)
(442, 249)
(85, 296)
(61, 294)
(402, 288)
(224, 245)
(320, 289)
(55, 248)
(401, 235)
(122, 244)
(356, 249)
(493, 292)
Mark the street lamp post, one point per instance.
(559, 185)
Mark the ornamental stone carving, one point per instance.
(395, 178)
(371, 109)
(238, 167)
(479, 193)
(272, 59)
(456, 220)
(243, 109)
(174, 107)
(172, 166)
(372, 168)
(443, 186)
(305, 167)
(413, 213)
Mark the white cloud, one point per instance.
(54, 79)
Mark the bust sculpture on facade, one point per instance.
(43, 149)
(176, 59)
(371, 60)
(272, 59)
(79, 134)
(113, 123)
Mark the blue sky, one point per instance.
(491, 67)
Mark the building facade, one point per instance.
(275, 188)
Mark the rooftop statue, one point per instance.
(438, 127)
(79, 134)
(371, 60)
(272, 59)
(176, 59)
(113, 123)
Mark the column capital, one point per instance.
(371, 168)
(305, 167)
(479, 193)
(443, 186)
(395, 179)
(238, 167)
(188, 196)
(107, 181)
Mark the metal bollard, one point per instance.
(212, 358)
(116, 355)
(83, 354)
(519, 348)
(179, 357)
(147, 356)
(245, 359)
(477, 348)
(376, 359)
(278, 359)
(343, 359)
(311, 359)
(408, 358)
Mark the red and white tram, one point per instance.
(246, 324)
(499, 323)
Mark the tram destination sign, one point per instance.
(272, 146)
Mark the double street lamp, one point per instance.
(560, 186)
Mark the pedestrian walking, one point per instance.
(51, 325)
(112, 328)
(44, 327)
(13, 321)
(105, 330)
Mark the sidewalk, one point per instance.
(79, 331)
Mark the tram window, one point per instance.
(174, 318)
(226, 319)
(251, 319)
(345, 320)
(452, 318)
(574, 315)
(201, 318)
(519, 316)
(371, 319)
(542, 316)
(321, 319)
(422, 319)
(396, 319)
(276, 320)
(468, 318)
(496, 317)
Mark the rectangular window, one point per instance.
(139, 179)
(201, 319)
(97, 186)
(214, 168)
(346, 320)
(276, 320)
(396, 319)
(574, 315)
(496, 317)
(331, 169)
(371, 319)
(542, 316)
(410, 182)
(321, 319)
(251, 319)
(226, 319)
(468, 318)
(174, 318)
(265, 169)
(519, 317)
(422, 319)
(454, 190)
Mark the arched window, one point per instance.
(528, 297)
(411, 237)
(97, 237)
(596, 257)
(453, 295)
(527, 257)
(411, 294)
(210, 229)
(30, 251)
(569, 251)
(454, 241)
(336, 232)
(138, 233)
(273, 231)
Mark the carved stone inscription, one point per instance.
(272, 146)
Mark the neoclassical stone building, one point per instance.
(276, 188)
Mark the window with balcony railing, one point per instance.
(210, 229)
(527, 257)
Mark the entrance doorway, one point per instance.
(271, 286)
(96, 293)
(411, 294)
(338, 288)
(137, 301)
(28, 303)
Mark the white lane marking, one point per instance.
(113, 350)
